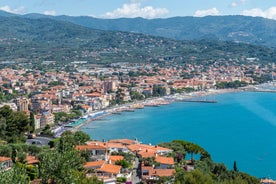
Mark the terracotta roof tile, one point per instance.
(115, 145)
(110, 168)
(123, 141)
(164, 160)
(157, 172)
(90, 147)
(144, 154)
(3, 159)
(32, 160)
(94, 164)
(115, 158)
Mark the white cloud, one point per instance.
(19, 10)
(134, 9)
(202, 13)
(270, 13)
(50, 12)
(238, 3)
(234, 4)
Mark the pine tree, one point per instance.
(235, 167)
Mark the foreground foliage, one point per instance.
(13, 125)
(205, 170)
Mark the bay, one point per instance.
(241, 127)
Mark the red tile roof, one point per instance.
(164, 160)
(123, 141)
(157, 172)
(4, 159)
(32, 160)
(110, 168)
(90, 147)
(94, 164)
(114, 158)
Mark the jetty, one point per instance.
(199, 101)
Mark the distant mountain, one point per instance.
(7, 14)
(253, 30)
(39, 39)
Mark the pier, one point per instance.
(199, 101)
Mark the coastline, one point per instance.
(153, 102)
(168, 99)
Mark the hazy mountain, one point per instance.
(254, 30)
(24, 39)
(7, 14)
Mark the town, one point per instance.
(89, 88)
(58, 98)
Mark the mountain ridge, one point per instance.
(237, 28)
(42, 39)
(252, 30)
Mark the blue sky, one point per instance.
(142, 8)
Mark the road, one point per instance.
(136, 172)
(41, 141)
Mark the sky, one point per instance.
(148, 9)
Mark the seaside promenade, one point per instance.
(150, 102)
(198, 96)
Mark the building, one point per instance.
(47, 119)
(5, 163)
(37, 121)
(22, 104)
(110, 85)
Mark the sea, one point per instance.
(240, 127)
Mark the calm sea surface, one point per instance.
(241, 127)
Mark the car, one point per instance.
(31, 136)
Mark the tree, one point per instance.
(16, 174)
(193, 177)
(235, 168)
(32, 122)
(59, 167)
(123, 163)
(198, 177)
(14, 125)
(81, 137)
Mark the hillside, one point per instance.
(23, 39)
(253, 30)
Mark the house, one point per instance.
(114, 158)
(32, 160)
(165, 162)
(267, 181)
(123, 141)
(150, 174)
(94, 165)
(117, 147)
(105, 172)
(145, 149)
(98, 152)
(87, 108)
(108, 170)
(5, 163)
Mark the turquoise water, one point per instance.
(241, 127)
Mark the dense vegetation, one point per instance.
(59, 165)
(253, 30)
(13, 125)
(205, 170)
(33, 40)
(235, 84)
